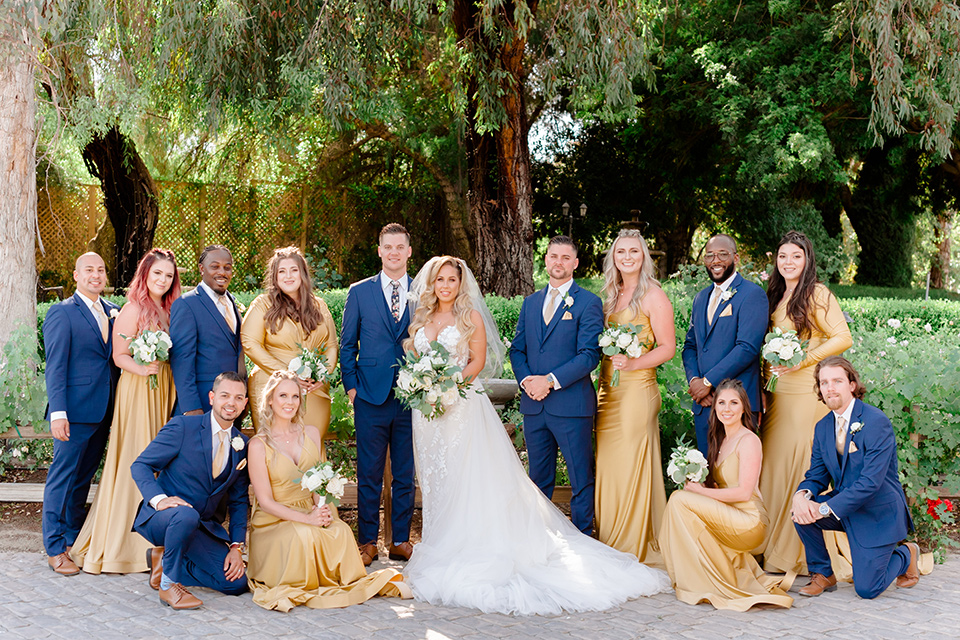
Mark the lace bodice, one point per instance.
(449, 336)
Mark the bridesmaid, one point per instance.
(106, 542)
(709, 529)
(301, 553)
(278, 322)
(797, 301)
(630, 494)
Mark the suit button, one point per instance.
(541, 350)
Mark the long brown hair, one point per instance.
(282, 307)
(799, 308)
(716, 432)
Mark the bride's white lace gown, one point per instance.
(491, 540)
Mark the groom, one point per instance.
(854, 452)
(727, 327)
(553, 353)
(183, 474)
(375, 322)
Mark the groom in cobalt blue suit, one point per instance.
(553, 353)
(855, 452)
(375, 322)
(727, 327)
(205, 331)
(81, 380)
(183, 474)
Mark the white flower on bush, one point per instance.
(882, 353)
(892, 340)
(904, 343)
(927, 328)
(606, 340)
(893, 323)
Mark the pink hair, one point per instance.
(152, 316)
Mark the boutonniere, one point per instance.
(114, 313)
(856, 426)
(568, 301)
(726, 295)
(237, 443)
(412, 297)
(242, 308)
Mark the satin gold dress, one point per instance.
(106, 543)
(706, 547)
(291, 563)
(630, 497)
(793, 411)
(273, 351)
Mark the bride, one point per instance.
(491, 540)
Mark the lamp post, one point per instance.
(569, 215)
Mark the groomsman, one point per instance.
(727, 327)
(375, 322)
(183, 474)
(205, 331)
(855, 452)
(553, 353)
(81, 380)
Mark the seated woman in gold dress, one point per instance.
(709, 529)
(301, 553)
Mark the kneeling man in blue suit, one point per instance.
(855, 451)
(183, 475)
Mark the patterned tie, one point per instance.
(227, 313)
(218, 458)
(395, 300)
(549, 310)
(102, 320)
(841, 434)
(714, 303)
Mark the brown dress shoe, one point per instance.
(368, 553)
(401, 551)
(155, 564)
(179, 598)
(62, 564)
(818, 584)
(912, 576)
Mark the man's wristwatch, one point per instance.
(824, 509)
(239, 546)
(552, 380)
(706, 383)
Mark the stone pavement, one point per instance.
(35, 603)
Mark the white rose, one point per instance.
(624, 340)
(893, 323)
(449, 396)
(438, 361)
(786, 352)
(775, 345)
(696, 456)
(295, 364)
(421, 366)
(606, 340)
(311, 482)
(672, 469)
(327, 472)
(458, 377)
(165, 339)
(152, 338)
(427, 383)
(432, 397)
(568, 301)
(237, 443)
(336, 486)
(404, 380)
(634, 351)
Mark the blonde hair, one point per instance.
(428, 304)
(265, 428)
(613, 280)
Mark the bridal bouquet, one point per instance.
(430, 382)
(782, 348)
(325, 482)
(149, 347)
(311, 364)
(687, 463)
(621, 339)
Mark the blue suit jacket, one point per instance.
(81, 377)
(203, 348)
(730, 346)
(179, 463)
(567, 347)
(370, 341)
(867, 497)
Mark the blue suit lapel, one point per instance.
(88, 316)
(206, 447)
(720, 307)
(218, 319)
(854, 417)
(404, 322)
(558, 314)
(830, 449)
(380, 302)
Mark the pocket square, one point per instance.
(567, 316)
(726, 312)
(242, 465)
(853, 447)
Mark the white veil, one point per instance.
(496, 351)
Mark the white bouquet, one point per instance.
(311, 365)
(149, 347)
(430, 382)
(782, 348)
(621, 339)
(687, 464)
(325, 482)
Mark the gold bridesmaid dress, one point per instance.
(706, 546)
(630, 497)
(274, 351)
(106, 543)
(793, 411)
(291, 563)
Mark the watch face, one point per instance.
(824, 510)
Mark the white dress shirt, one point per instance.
(723, 286)
(563, 290)
(386, 284)
(62, 415)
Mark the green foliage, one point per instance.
(325, 276)
(25, 454)
(23, 390)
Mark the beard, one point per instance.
(727, 272)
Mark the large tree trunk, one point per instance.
(129, 196)
(18, 181)
(500, 190)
